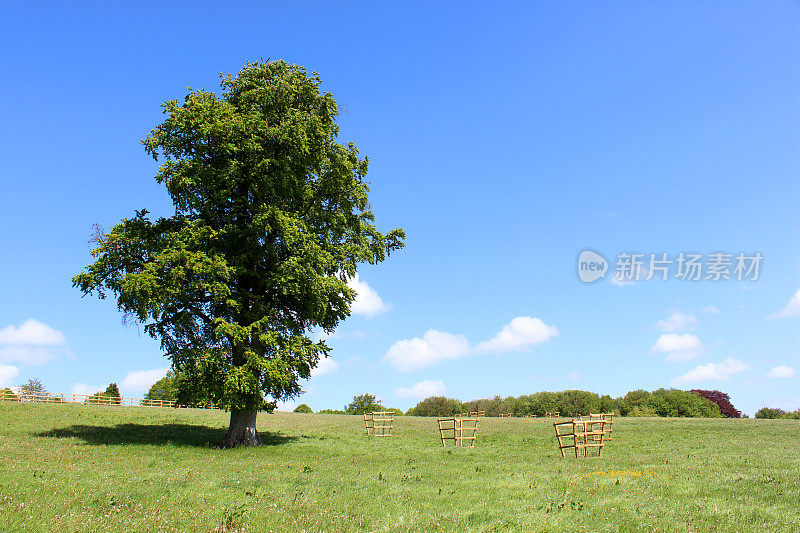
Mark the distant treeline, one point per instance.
(769, 412)
(662, 402)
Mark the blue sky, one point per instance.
(505, 138)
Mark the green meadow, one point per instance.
(76, 468)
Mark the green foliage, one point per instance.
(363, 403)
(642, 410)
(303, 408)
(271, 219)
(680, 403)
(8, 395)
(112, 391)
(636, 398)
(165, 389)
(437, 406)
(33, 386)
(774, 413)
(578, 402)
(573, 403)
(331, 412)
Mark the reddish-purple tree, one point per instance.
(722, 400)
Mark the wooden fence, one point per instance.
(89, 399)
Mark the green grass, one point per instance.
(75, 468)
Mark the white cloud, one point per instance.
(433, 347)
(31, 333)
(791, 309)
(325, 366)
(713, 371)
(574, 376)
(677, 322)
(678, 347)
(286, 406)
(138, 382)
(423, 389)
(436, 346)
(710, 309)
(7, 373)
(781, 372)
(367, 301)
(31, 343)
(520, 333)
(83, 388)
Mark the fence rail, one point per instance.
(91, 399)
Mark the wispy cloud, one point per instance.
(436, 346)
(7, 374)
(368, 302)
(677, 322)
(713, 372)
(138, 382)
(423, 389)
(678, 347)
(781, 372)
(325, 366)
(31, 343)
(790, 309)
(433, 347)
(83, 388)
(522, 332)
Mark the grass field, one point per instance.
(75, 468)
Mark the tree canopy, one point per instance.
(271, 219)
(363, 403)
(164, 389)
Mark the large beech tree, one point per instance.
(271, 220)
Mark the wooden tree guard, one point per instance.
(609, 418)
(379, 423)
(552, 414)
(458, 429)
(476, 414)
(505, 415)
(581, 435)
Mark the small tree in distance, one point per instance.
(363, 403)
(722, 400)
(33, 386)
(303, 408)
(164, 389)
(437, 406)
(112, 391)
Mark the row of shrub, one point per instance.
(769, 412)
(662, 402)
(659, 403)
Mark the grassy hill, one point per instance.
(76, 468)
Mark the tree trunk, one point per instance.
(242, 431)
